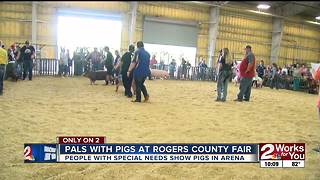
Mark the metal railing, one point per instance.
(188, 73)
(50, 67)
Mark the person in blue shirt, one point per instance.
(141, 71)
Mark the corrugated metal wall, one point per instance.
(15, 23)
(179, 12)
(236, 29)
(47, 30)
(300, 43)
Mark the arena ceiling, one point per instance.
(307, 9)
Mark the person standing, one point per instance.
(261, 69)
(125, 62)
(274, 76)
(172, 68)
(188, 70)
(141, 71)
(202, 68)
(224, 75)
(296, 77)
(153, 63)
(116, 64)
(247, 72)
(12, 68)
(69, 63)
(183, 68)
(109, 64)
(3, 63)
(78, 68)
(11, 53)
(95, 58)
(19, 63)
(28, 54)
(63, 63)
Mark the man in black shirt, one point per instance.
(125, 63)
(27, 55)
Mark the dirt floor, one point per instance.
(179, 112)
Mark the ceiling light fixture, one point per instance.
(312, 22)
(318, 18)
(263, 6)
(259, 12)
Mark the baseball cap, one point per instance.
(247, 47)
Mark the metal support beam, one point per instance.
(213, 33)
(277, 32)
(132, 27)
(34, 22)
(293, 8)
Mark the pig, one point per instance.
(159, 74)
(97, 75)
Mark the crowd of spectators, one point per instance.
(296, 77)
(292, 77)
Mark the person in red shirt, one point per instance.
(153, 63)
(247, 72)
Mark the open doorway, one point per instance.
(88, 31)
(167, 53)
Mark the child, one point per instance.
(257, 81)
(237, 77)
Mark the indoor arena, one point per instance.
(150, 72)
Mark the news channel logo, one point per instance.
(282, 154)
(37, 153)
(282, 151)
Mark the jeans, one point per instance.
(245, 88)
(19, 69)
(140, 87)
(2, 73)
(127, 81)
(27, 68)
(222, 85)
(275, 82)
(171, 74)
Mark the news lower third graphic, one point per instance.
(174, 153)
(282, 155)
(94, 149)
